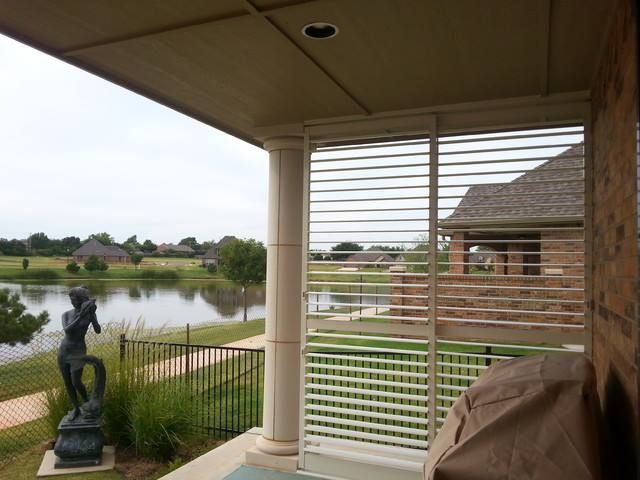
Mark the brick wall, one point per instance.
(487, 295)
(615, 230)
(458, 253)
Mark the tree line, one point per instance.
(40, 244)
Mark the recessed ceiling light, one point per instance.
(320, 30)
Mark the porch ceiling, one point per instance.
(239, 65)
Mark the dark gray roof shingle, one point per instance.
(94, 247)
(550, 191)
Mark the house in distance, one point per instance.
(212, 256)
(108, 253)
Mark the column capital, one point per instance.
(283, 143)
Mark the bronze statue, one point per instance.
(73, 348)
(80, 437)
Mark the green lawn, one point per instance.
(185, 268)
(33, 374)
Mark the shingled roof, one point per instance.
(559, 180)
(212, 253)
(94, 247)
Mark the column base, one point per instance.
(282, 463)
(274, 447)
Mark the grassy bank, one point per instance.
(53, 268)
(33, 374)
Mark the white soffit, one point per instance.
(240, 65)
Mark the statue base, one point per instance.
(48, 465)
(79, 443)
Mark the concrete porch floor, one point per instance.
(229, 462)
(247, 472)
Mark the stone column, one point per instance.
(284, 297)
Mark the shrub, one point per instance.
(136, 258)
(160, 421)
(40, 274)
(72, 267)
(118, 399)
(25, 263)
(159, 275)
(94, 263)
(212, 268)
(58, 405)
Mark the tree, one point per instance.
(244, 262)
(25, 263)
(16, 326)
(39, 241)
(103, 237)
(72, 267)
(206, 246)
(13, 247)
(94, 263)
(420, 253)
(136, 258)
(148, 246)
(131, 244)
(191, 242)
(344, 247)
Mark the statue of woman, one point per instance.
(72, 354)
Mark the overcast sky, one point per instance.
(79, 155)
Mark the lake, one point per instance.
(161, 303)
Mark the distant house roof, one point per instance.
(225, 240)
(212, 253)
(94, 247)
(559, 180)
(371, 257)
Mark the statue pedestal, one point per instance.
(79, 443)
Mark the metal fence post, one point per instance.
(123, 341)
(188, 359)
(487, 351)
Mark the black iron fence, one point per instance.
(225, 383)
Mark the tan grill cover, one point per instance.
(528, 418)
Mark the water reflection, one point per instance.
(173, 303)
(159, 303)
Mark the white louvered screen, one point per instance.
(504, 277)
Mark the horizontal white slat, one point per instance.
(360, 348)
(357, 315)
(367, 359)
(516, 310)
(416, 330)
(369, 337)
(457, 388)
(370, 305)
(458, 377)
(446, 398)
(462, 365)
(366, 381)
(365, 413)
(365, 392)
(375, 437)
(403, 407)
(413, 453)
(376, 371)
(506, 299)
(369, 459)
(504, 345)
(492, 356)
(511, 322)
